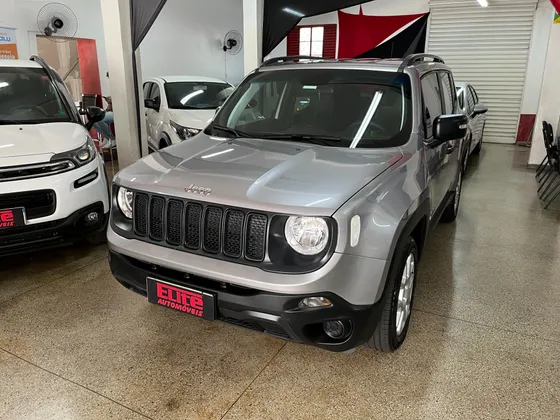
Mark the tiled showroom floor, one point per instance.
(484, 341)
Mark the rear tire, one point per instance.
(393, 325)
(478, 147)
(465, 163)
(452, 210)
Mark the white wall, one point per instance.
(549, 103)
(22, 15)
(537, 58)
(187, 39)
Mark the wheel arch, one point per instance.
(164, 140)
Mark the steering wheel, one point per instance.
(29, 107)
(354, 127)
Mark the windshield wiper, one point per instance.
(236, 133)
(305, 138)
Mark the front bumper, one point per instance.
(271, 313)
(69, 199)
(53, 234)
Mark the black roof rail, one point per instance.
(415, 58)
(277, 60)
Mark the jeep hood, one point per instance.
(29, 142)
(263, 175)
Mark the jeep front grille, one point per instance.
(197, 227)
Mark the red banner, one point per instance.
(361, 33)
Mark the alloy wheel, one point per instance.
(404, 303)
(458, 193)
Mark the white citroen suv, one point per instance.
(53, 184)
(180, 107)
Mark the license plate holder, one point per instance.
(180, 298)
(12, 218)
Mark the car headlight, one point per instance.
(124, 200)
(307, 235)
(81, 156)
(184, 133)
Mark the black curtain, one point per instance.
(281, 16)
(143, 14)
(410, 41)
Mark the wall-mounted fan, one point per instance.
(57, 22)
(233, 42)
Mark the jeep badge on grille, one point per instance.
(195, 189)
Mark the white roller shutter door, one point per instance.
(489, 48)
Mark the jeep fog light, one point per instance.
(307, 235)
(315, 302)
(124, 200)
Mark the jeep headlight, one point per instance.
(124, 200)
(307, 235)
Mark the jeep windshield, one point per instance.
(329, 107)
(27, 96)
(196, 95)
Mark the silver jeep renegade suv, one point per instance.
(302, 210)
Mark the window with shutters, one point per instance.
(315, 41)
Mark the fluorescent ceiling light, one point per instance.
(190, 96)
(4, 84)
(483, 3)
(293, 12)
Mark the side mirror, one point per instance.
(150, 104)
(449, 127)
(94, 115)
(480, 109)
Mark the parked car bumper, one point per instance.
(64, 222)
(276, 314)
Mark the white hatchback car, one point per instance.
(179, 107)
(53, 185)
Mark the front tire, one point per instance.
(393, 325)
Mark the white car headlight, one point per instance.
(124, 200)
(307, 235)
(184, 133)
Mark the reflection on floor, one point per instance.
(484, 341)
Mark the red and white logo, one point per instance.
(182, 300)
(6, 218)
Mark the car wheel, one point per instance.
(466, 157)
(478, 147)
(97, 238)
(392, 328)
(452, 210)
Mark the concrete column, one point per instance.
(549, 103)
(116, 24)
(253, 13)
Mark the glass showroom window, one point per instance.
(311, 41)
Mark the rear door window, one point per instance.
(448, 95)
(431, 95)
(470, 101)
